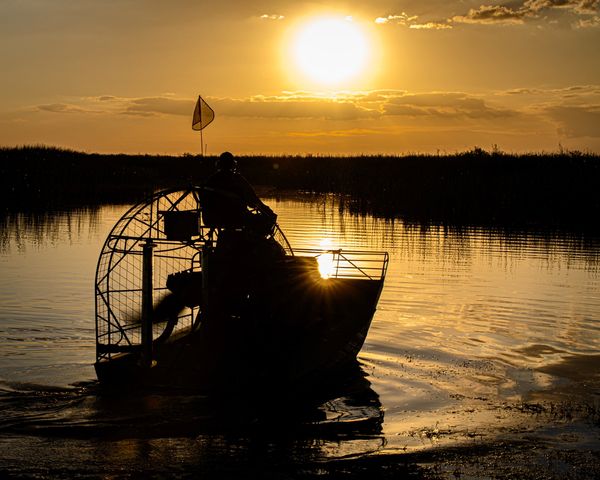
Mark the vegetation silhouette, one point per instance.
(471, 188)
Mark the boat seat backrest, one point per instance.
(222, 209)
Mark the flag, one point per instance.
(203, 115)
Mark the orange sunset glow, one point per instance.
(300, 239)
(301, 77)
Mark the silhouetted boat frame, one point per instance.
(174, 307)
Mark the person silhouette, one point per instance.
(231, 203)
(245, 251)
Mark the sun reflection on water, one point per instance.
(325, 259)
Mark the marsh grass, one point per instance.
(476, 187)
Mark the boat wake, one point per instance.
(88, 410)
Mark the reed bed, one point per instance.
(475, 187)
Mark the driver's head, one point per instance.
(226, 161)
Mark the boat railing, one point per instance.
(351, 264)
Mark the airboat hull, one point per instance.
(313, 332)
(181, 303)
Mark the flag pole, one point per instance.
(201, 134)
(198, 123)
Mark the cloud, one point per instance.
(409, 21)
(430, 26)
(591, 22)
(576, 121)
(65, 108)
(292, 107)
(343, 106)
(588, 7)
(515, 13)
(354, 120)
(491, 14)
(522, 91)
(267, 16)
(110, 105)
(401, 19)
(508, 13)
(158, 105)
(574, 111)
(446, 105)
(581, 7)
(351, 132)
(586, 92)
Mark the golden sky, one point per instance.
(293, 77)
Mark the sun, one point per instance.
(330, 50)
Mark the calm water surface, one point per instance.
(471, 326)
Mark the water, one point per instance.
(479, 335)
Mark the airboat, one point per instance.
(182, 303)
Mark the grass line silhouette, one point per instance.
(476, 187)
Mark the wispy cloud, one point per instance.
(589, 7)
(492, 14)
(409, 21)
(401, 19)
(582, 7)
(362, 105)
(444, 104)
(272, 16)
(592, 22)
(345, 106)
(293, 106)
(111, 105)
(574, 110)
(576, 121)
(350, 132)
(587, 91)
(374, 121)
(158, 105)
(430, 26)
(65, 108)
(518, 13)
(507, 13)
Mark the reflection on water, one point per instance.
(349, 409)
(20, 231)
(467, 316)
(134, 429)
(470, 323)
